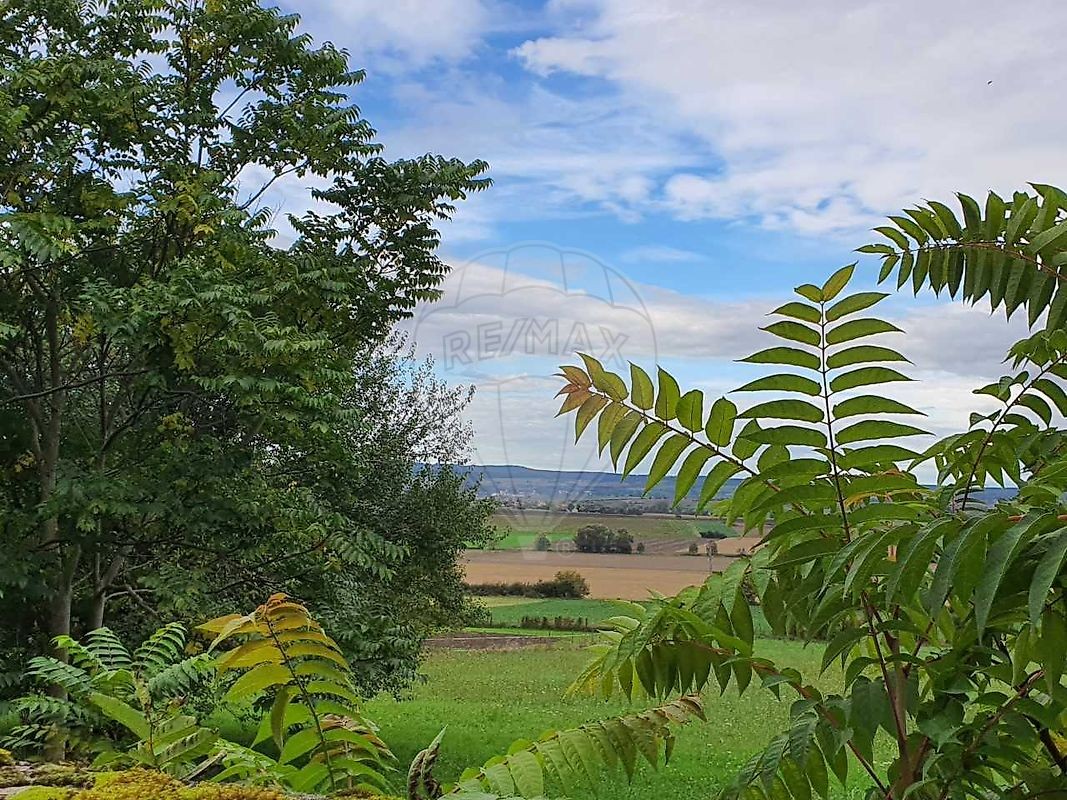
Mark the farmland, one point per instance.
(520, 527)
(609, 576)
(489, 699)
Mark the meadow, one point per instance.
(486, 700)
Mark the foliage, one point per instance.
(143, 691)
(175, 376)
(566, 584)
(542, 543)
(601, 539)
(947, 616)
(570, 758)
(314, 715)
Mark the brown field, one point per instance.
(609, 576)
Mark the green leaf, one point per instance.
(876, 429)
(122, 713)
(715, 480)
(587, 412)
(641, 392)
(648, 436)
(668, 453)
(858, 328)
(787, 435)
(667, 399)
(871, 404)
(801, 311)
(1002, 554)
(810, 292)
(1048, 237)
(607, 382)
(877, 454)
(691, 410)
(256, 680)
(607, 423)
(853, 303)
(785, 409)
(915, 558)
(720, 427)
(1045, 575)
(743, 446)
(865, 376)
(862, 354)
(1037, 405)
(836, 282)
(788, 356)
(689, 472)
(783, 383)
(794, 332)
(526, 773)
(840, 645)
(622, 434)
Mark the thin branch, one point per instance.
(21, 398)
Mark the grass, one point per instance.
(486, 700)
(521, 528)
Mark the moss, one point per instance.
(43, 775)
(141, 784)
(46, 793)
(6, 759)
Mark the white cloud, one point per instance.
(822, 116)
(506, 323)
(406, 32)
(660, 254)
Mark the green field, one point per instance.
(519, 529)
(508, 614)
(489, 699)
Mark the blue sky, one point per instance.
(666, 172)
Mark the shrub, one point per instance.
(694, 549)
(542, 543)
(945, 612)
(571, 584)
(567, 585)
(640, 547)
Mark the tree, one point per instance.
(592, 538)
(162, 348)
(947, 614)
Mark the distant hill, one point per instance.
(510, 480)
(548, 485)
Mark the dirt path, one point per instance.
(609, 576)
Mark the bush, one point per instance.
(694, 549)
(567, 584)
(571, 583)
(640, 547)
(557, 624)
(542, 544)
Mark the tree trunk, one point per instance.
(59, 625)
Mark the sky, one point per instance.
(665, 173)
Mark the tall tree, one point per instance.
(159, 346)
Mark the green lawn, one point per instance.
(489, 699)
